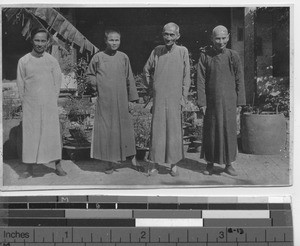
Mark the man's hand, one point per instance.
(238, 109)
(203, 110)
(183, 102)
(130, 106)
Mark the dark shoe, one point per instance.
(110, 169)
(153, 172)
(25, 175)
(138, 168)
(28, 172)
(60, 172)
(174, 173)
(209, 169)
(230, 170)
(153, 169)
(58, 169)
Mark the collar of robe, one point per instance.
(35, 54)
(110, 52)
(219, 51)
(172, 48)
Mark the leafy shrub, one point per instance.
(142, 125)
(273, 96)
(76, 120)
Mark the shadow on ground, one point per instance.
(39, 170)
(93, 165)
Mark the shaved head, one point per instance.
(173, 26)
(170, 34)
(220, 37)
(219, 30)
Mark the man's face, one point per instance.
(170, 35)
(113, 41)
(40, 42)
(220, 39)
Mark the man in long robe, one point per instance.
(110, 74)
(221, 93)
(39, 80)
(170, 67)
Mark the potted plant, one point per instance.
(263, 126)
(190, 123)
(76, 120)
(142, 129)
(11, 124)
(77, 112)
(197, 135)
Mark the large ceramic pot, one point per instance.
(263, 134)
(76, 153)
(142, 154)
(196, 146)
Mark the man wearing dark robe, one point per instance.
(169, 65)
(221, 93)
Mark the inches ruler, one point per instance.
(145, 221)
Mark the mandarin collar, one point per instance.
(37, 55)
(218, 51)
(173, 47)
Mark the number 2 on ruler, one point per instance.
(143, 235)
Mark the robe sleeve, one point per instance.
(186, 74)
(57, 77)
(91, 73)
(239, 80)
(131, 86)
(148, 68)
(20, 79)
(201, 78)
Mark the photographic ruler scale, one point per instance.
(145, 221)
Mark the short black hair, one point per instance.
(37, 30)
(111, 30)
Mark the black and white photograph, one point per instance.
(146, 97)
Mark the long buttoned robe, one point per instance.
(113, 134)
(39, 80)
(171, 82)
(220, 85)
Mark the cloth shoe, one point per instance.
(59, 170)
(230, 170)
(209, 169)
(109, 169)
(174, 173)
(153, 170)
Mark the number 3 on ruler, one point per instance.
(221, 234)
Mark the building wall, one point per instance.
(264, 45)
(249, 57)
(237, 31)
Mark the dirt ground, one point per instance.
(253, 170)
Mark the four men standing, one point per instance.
(220, 88)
